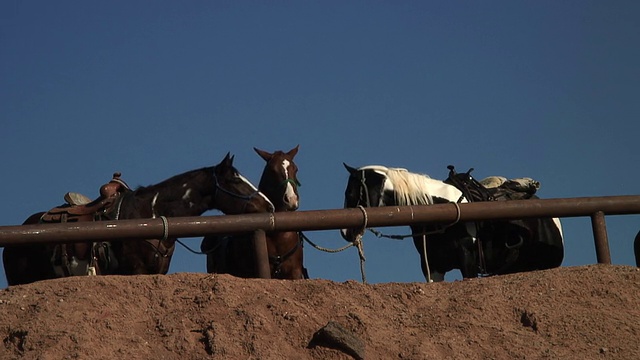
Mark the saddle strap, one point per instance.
(470, 187)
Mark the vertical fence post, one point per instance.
(600, 237)
(261, 254)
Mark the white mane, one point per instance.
(409, 188)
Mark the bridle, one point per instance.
(246, 198)
(290, 181)
(364, 190)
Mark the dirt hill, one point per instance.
(590, 312)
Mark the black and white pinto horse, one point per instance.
(506, 246)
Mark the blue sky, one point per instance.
(152, 89)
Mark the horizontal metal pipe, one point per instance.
(317, 219)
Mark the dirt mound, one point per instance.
(590, 312)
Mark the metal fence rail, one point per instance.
(594, 207)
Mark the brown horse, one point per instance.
(232, 254)
(192, 193)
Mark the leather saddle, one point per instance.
(86, 258)
(493, 187)
(79, 208)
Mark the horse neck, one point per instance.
(443, 192)
(422, 190)
(187, 194)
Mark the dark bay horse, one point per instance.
(192, 193)
(234, 255)
(636, 249)
(487, 248)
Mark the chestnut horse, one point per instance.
(192, 193)
(234, 255)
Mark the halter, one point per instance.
(247, 198)
(364, 189)
(292, 181)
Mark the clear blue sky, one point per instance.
(543, 89)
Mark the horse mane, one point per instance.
(409, 188)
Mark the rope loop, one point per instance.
(165, 228)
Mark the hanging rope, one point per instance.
(165, 228)
(426, 260)
(358, 243)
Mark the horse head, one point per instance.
(366, 187)
(234, 193)
(279, 181)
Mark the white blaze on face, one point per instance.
(290, 198)
(256, 190)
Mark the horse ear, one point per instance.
(228, 160)
(293, 151)
(350, 169)
(264, 154)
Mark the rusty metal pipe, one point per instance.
(317, 219)
(600, 238)
(261, 254)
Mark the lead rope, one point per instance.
(424, 243)
(360, 245)
(357, 243)
(426, 260)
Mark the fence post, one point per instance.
(600, 237)
(261, 254)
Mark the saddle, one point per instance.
(82, 258)
(470, 187)
(511, 189)
(79, 208)
(494, 188)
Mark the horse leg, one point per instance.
(430, 269)
(24, 264)
(467, 256)
(469, 262)
(636, 249)
(214, 247)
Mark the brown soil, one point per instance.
(589, 312)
